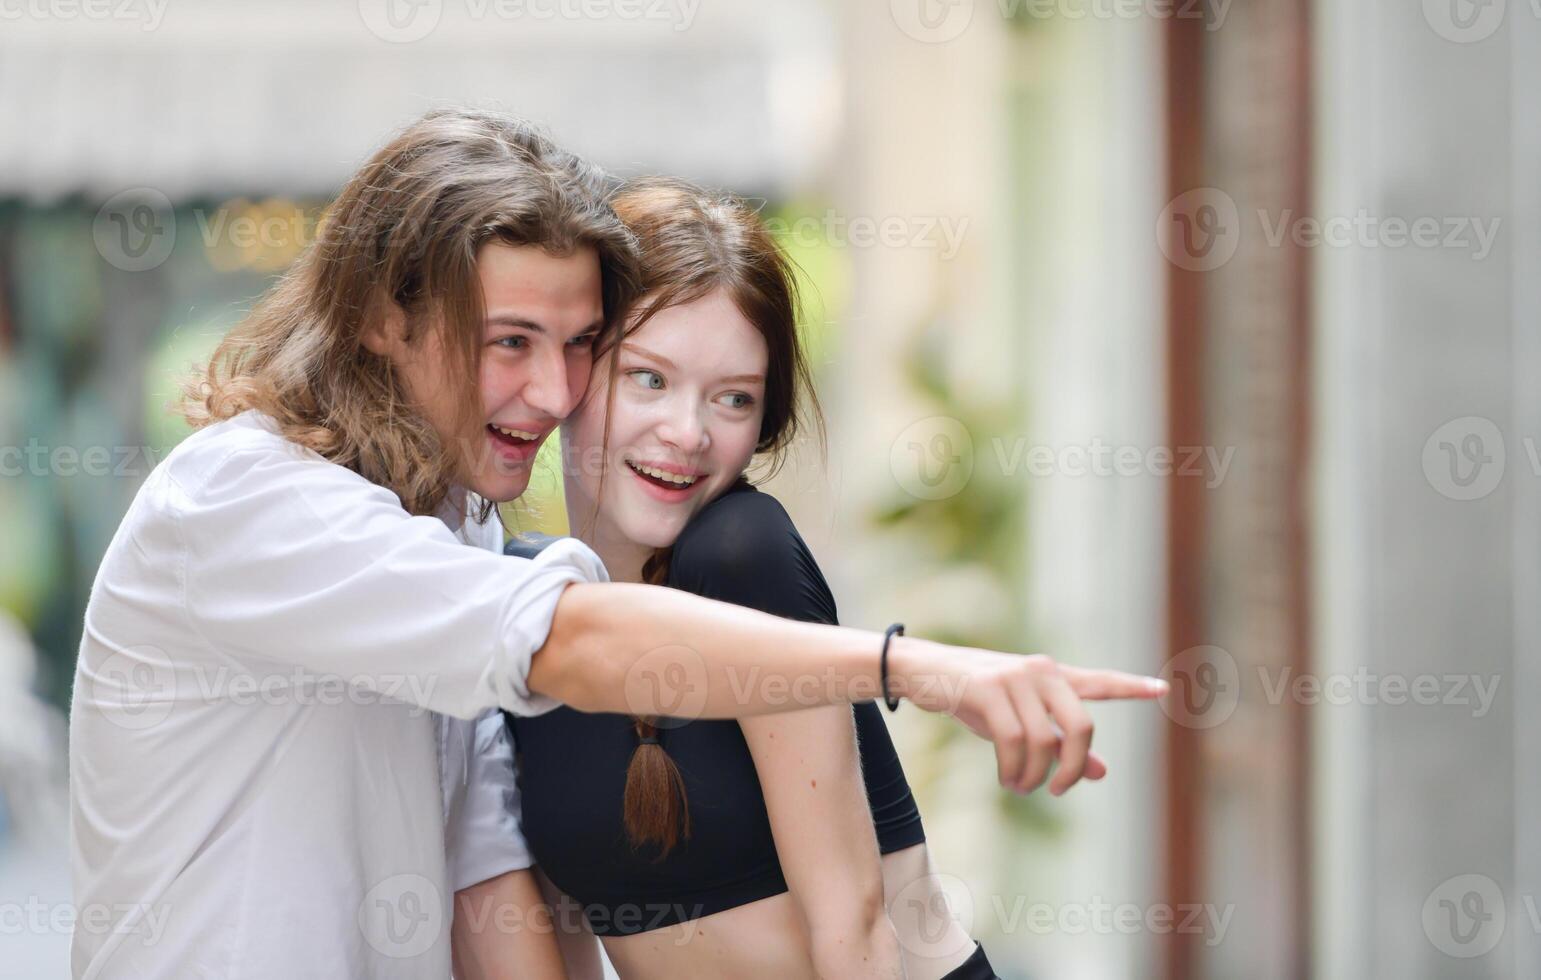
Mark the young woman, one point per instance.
(769, 847)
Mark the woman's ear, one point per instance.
(385, 334)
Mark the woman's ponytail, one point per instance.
(655, 808)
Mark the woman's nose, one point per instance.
(685, 429)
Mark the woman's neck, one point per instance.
(622, 556)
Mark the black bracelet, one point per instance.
(888, 635)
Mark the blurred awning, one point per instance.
(210, 99)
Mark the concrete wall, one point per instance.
(1428, 857)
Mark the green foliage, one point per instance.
(981, 526)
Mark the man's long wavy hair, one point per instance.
(695, 243)
(402, 237)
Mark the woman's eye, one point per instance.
(738, 399)
(647, 379)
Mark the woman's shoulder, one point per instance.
(743, 548)
(740, 525)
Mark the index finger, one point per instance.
(1111, 685)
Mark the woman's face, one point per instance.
(685, 414)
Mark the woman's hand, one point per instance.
(1028, 706)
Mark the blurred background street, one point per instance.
(1189, 337)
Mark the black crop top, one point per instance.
(741, 548)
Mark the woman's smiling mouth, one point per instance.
(667, 484)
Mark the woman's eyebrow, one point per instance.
(635, 348)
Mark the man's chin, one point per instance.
(503, 487)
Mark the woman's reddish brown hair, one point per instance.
(695, 243)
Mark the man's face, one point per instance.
(543, 313)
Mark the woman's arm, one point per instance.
(744, 549)
(648, 650)
(503, 931)
(580, 948)
(810, 773)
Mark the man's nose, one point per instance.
(547, 389)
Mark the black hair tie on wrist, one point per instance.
(888, 635)
(647, 740)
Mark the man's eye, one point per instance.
(584, 340)
(515, 342)
(646, 378)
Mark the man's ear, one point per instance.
(386, 333)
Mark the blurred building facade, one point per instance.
(1040, 238)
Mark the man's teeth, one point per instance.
(518, 433)
(658, 474)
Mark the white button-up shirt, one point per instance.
(258, 734)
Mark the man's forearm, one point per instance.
(648, 650)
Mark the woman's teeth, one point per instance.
(677, 479)
(517, 433)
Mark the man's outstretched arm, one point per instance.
(648, 650)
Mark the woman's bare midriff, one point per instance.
(768, 938)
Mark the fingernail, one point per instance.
(1157, 685)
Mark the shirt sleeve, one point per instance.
(482, 836)
(297, 563)
(744, 549)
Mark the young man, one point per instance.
(312, 579)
